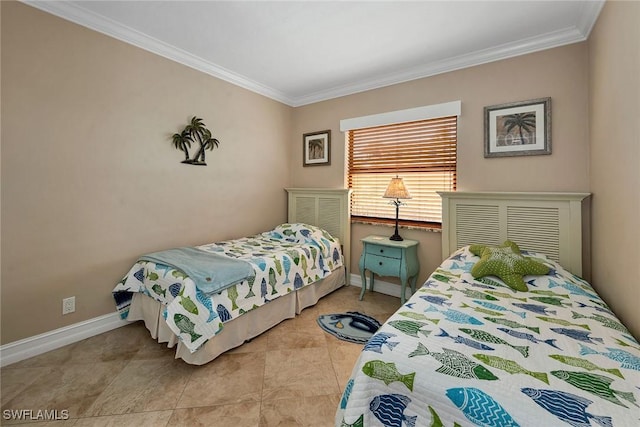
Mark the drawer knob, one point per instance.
(381, 251)
(380, 262)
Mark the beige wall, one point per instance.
(90, 179)
(560, 73)
(614, 87)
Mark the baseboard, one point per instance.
(381, 286)
(39, 344)
(33, 346)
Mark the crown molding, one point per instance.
(81, 16)
(86, 18)
(590, 12)
(505, 51)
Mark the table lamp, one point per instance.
(396, 190)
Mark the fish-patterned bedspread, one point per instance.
(465, 352)
(284, 259)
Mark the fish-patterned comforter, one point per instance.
(284, 259)
(464, 352)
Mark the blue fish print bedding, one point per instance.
(284, 259)
(467, 352)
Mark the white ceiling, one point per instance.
(300, 52)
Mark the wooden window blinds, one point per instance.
(422, 153)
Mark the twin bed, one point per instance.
(463, 350)
(473, 351)
(281, 272)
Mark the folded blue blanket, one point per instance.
(210, 272)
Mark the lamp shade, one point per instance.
(396, 190)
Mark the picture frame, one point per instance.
(518, 128)
(316, 148)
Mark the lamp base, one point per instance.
(396, 237)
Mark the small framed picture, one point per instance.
(518, 128)
(316, 149)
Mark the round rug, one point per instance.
(350, 326)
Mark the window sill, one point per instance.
(433, 228)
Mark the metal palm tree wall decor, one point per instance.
(195, 131)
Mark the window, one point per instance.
(422, 152)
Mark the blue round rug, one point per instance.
(350, 326)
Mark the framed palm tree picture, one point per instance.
(518, 129)
(316, 148)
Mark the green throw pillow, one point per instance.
(507, 263)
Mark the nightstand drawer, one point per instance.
(384, 251)
(383, 266)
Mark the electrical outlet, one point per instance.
(68, 305)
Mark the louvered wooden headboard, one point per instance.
(327, 208)
(550, 223)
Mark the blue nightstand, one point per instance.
(386, 257)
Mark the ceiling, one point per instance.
(300, 52)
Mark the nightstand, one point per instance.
(386, 257)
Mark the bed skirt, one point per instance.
(238, 330)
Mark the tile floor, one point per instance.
(292, 375)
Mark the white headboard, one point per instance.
(327, 208)
(549, 223)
